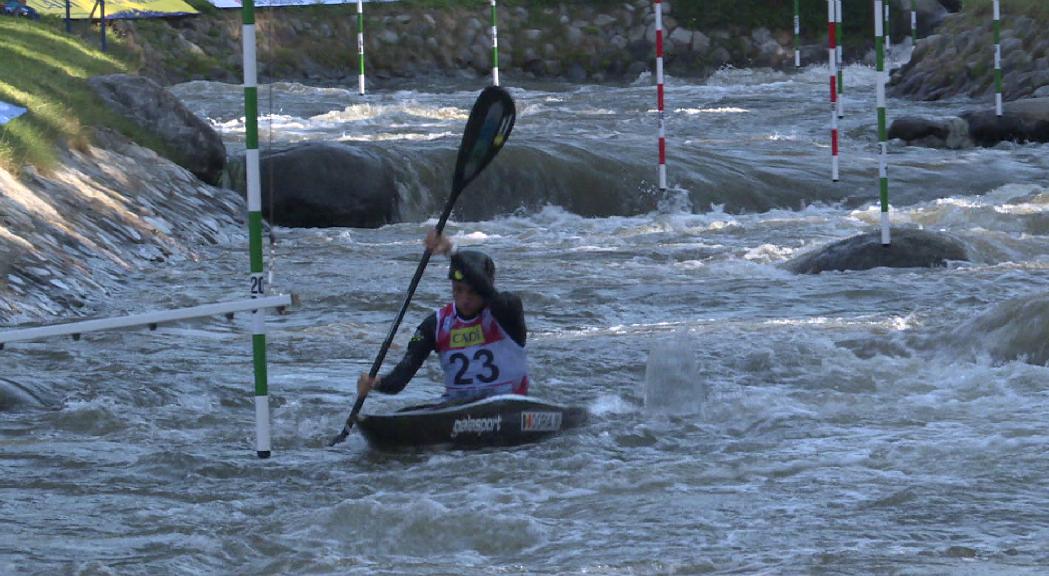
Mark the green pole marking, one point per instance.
(257, 286)
(883, 141)
(914, 20)
(360, 46)
(495, 46)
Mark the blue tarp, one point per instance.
(9, 112)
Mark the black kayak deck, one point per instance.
(503, 420)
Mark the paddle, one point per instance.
(488, 128)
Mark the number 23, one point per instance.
(483, 356)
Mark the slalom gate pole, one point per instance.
(841, 58)
(495, 46)
(797, 33)
(360, 46)
(888, 34)
(257, 286)
(832, 62)
(883, 141)
(998, 58)
(914, 21)
(660, 100)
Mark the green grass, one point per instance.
(45, 70)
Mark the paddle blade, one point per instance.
(488, 128)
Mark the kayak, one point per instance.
(503, 420)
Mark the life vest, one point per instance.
(478, 357)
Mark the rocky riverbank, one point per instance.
(959, 60)
(69, 238)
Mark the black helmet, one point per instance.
(475, 269)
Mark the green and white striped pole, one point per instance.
(258, 285)
(495, 47)
(797, 33)
(360, 46)
(997, 58)
(888, 34)
(883, 140)
(914, 21)
(841, 58)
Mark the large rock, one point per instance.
(951, 132)
(149, 105)
(910, 248)
(321, 185)
(1022, 121)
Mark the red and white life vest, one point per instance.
(478, 357)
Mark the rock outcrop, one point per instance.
(1022, 121)
(321, 185)
(959, 60)
(69, 238)
(197, 145)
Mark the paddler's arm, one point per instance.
(422, 343)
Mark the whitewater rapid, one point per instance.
(745, 419)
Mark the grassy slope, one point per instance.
(45, 70)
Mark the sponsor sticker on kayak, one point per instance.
(478, 426)
(540, 421)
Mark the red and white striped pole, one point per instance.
(841, 58)
(659, 91)
(833, 62)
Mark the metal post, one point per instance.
(102, 23)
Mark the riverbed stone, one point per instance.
(1022, 121)
(324, 184)
(910, 248)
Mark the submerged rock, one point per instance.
(1021, 121)
(1017, 329)
(910, 248)
(951, 132)
(322, 185)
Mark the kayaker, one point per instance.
(479, 336)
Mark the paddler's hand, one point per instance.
(438, 243)
(367, 383)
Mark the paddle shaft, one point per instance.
(457, 188)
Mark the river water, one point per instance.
(745, 420)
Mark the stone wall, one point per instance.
(577, 42)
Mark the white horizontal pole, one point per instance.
(75, 329)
